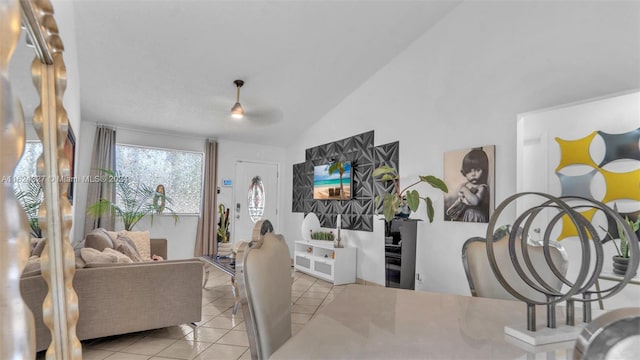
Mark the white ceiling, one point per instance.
(170, 65)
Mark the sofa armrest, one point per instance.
(159, 247)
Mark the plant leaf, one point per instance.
(624, 242)
(389, 206)
(385, 170)
(387, 177)
(136, 200)
(435, 182)
(413, 200)
(430, 210)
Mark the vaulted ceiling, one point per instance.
(170, 65)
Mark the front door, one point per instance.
(255, 197)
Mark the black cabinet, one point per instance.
(400, 253)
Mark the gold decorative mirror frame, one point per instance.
(60, 307)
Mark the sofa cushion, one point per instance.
(142, 240)
(120, 258)
(93, 256)
(98, 239)
(125, 245)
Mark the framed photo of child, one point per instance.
(470, 177)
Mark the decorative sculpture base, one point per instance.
(544, 335)
(551, 348)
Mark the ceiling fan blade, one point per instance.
(264, 115)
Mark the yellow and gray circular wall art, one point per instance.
(616, 161)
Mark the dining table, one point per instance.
(374, 322)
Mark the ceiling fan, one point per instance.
(249, 112)
(237, 112)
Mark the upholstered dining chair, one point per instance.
(263, 274)
(482, 281)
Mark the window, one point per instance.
(180, 172)
(26, 168)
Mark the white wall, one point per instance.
(181, 236)
(462, 85)
(65, 18)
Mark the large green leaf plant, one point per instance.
(392, 202)
(134, 201)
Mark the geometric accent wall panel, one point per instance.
(357, 213)
(569, 229)
(621, 182)
(577, 185)
(621, 185)
(620, 146)
(389, 155)
(574, 152)
(298, 196)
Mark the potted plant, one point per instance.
(621, 261)
(30, 199)
(134, 201)
(405, 199)
(224, 246)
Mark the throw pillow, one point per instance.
(79, 262)
(120, 258)
(112, 234)
(32, 267)
(93, 256)
(37, 250)
(98, 239)
(142, 240)
(126, 246)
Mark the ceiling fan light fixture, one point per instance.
(237, 112)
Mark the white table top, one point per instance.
(610, 275)
(384, 323)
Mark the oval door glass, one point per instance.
(255, 199)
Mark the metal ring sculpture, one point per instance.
(581, 289)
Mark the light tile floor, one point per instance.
(219, 335)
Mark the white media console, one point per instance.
(320, 259)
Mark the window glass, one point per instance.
(26, 168)
(180, 172)
(255, 199)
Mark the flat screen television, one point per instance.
(331, 186)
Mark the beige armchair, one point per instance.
(263, 274)
(482, 281)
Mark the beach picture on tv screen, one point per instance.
(334, 186)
